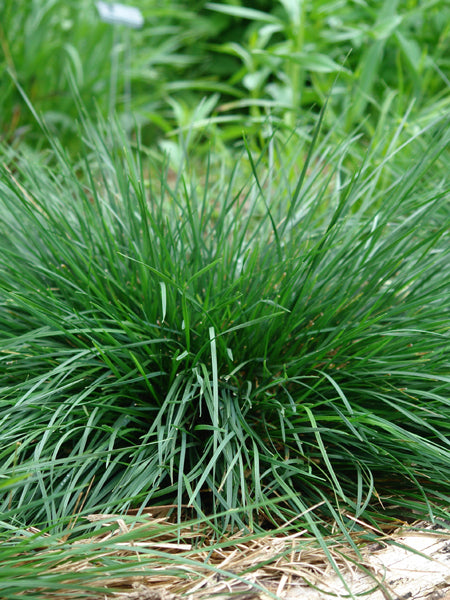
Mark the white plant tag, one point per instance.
(120, 14)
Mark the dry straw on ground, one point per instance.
(251, 567)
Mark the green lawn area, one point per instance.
(224, 286)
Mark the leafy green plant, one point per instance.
(218, 69)
(219, 344)
(368, 57)
(115, 69)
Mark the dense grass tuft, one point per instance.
(215, 344)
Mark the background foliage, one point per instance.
(371, 59)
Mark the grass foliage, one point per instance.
(282, 343)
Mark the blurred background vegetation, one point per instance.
(217, 69)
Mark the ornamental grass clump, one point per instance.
(274, 351)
